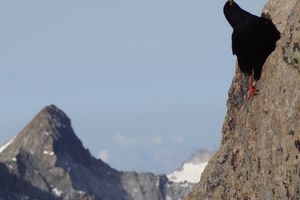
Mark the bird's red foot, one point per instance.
(252, 91)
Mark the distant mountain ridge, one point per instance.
(46, 160)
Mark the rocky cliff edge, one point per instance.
(259, 157)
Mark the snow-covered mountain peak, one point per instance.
(192, 169)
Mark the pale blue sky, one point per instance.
(144, 82)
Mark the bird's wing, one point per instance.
(244, 36)
(269, 30)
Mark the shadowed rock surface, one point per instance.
(259, 157)
(46, 160)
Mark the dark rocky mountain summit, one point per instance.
(259, 156)
(46, 160)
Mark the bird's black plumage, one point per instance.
(253, 38)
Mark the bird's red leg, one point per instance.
(252, 89)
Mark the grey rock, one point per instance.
(259, 153)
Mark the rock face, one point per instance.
(259, 157)
(47, 161)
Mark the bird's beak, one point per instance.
(230, 2)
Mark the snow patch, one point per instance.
(2, 148)
(168, 198)
(80, 192)
(51, 153)
(14, 159)
(47, 133)
(57, 192)
(190, 172)
(58, 123)
(157, 183)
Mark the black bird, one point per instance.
(253, 40)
